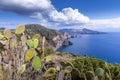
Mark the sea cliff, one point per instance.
(55, 38)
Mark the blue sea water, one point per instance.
(103, 46)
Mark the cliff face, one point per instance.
(53, 37)
(61, 40)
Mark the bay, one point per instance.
(102, 46)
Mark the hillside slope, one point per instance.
(54, 37)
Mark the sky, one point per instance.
(101, 15)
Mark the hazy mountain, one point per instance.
(80, 31)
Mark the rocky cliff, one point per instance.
(54, 37)
(61, 40)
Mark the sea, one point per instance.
(102, 46)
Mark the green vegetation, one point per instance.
(32, 29)
(29, 58)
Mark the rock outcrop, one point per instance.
(53, 37)
(61, 40)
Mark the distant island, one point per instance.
(81, 31)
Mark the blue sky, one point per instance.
(96, 9)
(102, 15)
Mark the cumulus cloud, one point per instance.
(68, 16)
(48, 15)
(44, 11)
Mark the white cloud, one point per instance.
(111, 25)
(26, 4)
(44, 11)
(48, 15)
(104, 24)
(68, 16)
